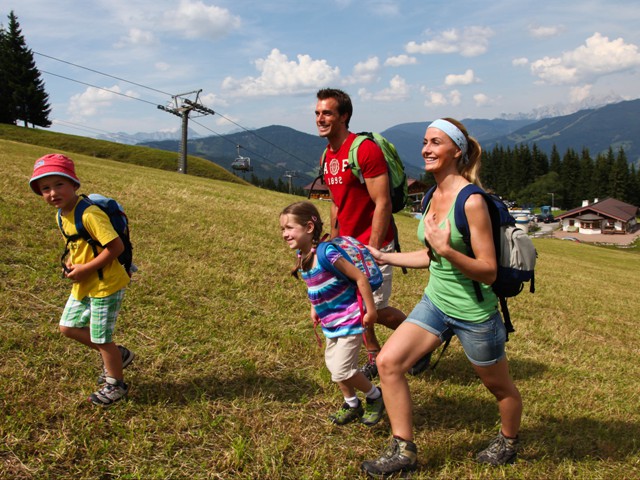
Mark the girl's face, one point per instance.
(438, 150)
(59, 192)
(297, 236)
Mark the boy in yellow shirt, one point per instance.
(90, 313)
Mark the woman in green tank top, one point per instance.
(449, 306)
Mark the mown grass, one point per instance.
(228, 380)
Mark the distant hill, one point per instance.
(614, 125)
(141, 137)
(273, 151)
(407, 137)
(276, 150)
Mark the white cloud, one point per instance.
(365, 72)
(88, 103)
(435, 99)
(213, 101)
(278, 76)
(597, 57)
(482, 100)
(162, 66)
(398, 90)
(136, 38)
(466, 78)
(400, 60)
(580, 93)
(540, 31)
(455, 97)
(439, 99)
(194, 19)
(470, 42)
(520, 62)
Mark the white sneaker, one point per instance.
(112, 391)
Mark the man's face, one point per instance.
(329, 122)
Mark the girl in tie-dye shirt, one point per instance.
(334, 305)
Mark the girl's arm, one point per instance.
(353, 273)
(484, 267)
(111, 252)
(415, 259)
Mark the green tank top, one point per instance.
(450, 290)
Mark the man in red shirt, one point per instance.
(359, 209)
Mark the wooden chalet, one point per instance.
(416, 188)
(605, 216)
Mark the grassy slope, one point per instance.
(136, 155)
(229, 382)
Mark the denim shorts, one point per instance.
(483, 342)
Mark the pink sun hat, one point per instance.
(52, 164)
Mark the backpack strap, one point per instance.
(426, 199)
(81, 206)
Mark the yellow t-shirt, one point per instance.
(98, 225)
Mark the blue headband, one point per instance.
(454, 133)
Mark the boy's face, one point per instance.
(59, 192)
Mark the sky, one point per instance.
(107, 65)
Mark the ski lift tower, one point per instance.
(290, 174)
(182, 106)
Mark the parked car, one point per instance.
(548, 219)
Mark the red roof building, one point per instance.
(606, 216)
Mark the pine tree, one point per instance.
(26, 99)
(619, 177)
(5, 107)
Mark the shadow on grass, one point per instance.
(558, 438)
(285, 388)
(455, 367)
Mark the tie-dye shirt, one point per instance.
(334, 300)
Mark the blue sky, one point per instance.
(260, 63)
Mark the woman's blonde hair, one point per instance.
(303, 213)
(469, 168)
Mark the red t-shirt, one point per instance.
(355, 207)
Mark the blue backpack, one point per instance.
(515, 252)
(355, 253)
(118, 219)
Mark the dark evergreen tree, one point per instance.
(539, 162)
(619, 178)
(5, 95)
(26, 98)
(601, 172)
(634, 186)
(584, 187)
(554, 162)
(570, 177)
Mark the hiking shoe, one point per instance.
(112, 391)
(347, 414)
(373, 410)
(398, 457)
(421, 365)
(501, 451)
(370, 369)
(127, 358)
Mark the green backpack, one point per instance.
(398, 186)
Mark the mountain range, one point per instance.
(276, 151)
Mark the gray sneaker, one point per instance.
(370, 369)
(373, 410)
(112, 391)
(347, 414)
(398, 457)
(127, 358)
(421, 365)
(501, 451)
